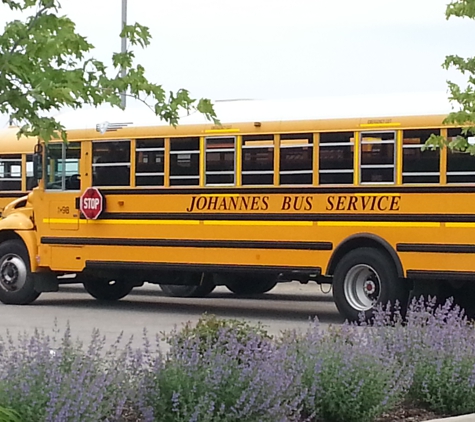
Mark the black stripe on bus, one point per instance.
(435, 248)
(189, 243)
(12, 194)
(440, 218)
(200, 267)
(340, 190)
(440, 275)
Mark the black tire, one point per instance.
(17, 286)
(365, 278)
(104, 289)
(252, 285)
(204, 288)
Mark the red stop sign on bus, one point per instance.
(91, 203)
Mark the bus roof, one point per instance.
(10, 144)
(239, 111)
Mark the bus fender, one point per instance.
(16, 221)
(364, 240)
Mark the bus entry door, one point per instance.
(63, 185)
(63, 214)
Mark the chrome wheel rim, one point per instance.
(362, 287)
(13, 273)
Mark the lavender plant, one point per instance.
(437, 344)
(46, 381)
(350, 376)
(226, 377)
(227, 370)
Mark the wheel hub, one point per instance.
(9, 273)
(362, 287)
(13, 273)
(369, 287)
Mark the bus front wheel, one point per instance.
(107, 290)
(365, 278)
(17, 286)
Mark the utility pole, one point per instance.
(123, 46)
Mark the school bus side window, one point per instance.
(296, 159)
(31, 182)
(336, 158)
(378, 157)
(111, 163)
(149, 162)
(460, 165)
(10, 172)
(185, 161)
(62, 166)
(220, 160)
(257, 160)
(419, 166)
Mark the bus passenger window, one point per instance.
(460, 165)
(258, 160)
(378, 157)
(10, 172)
(296, 159)
(185, 161)
(336, 158)
(149, 162)
(31, 182)
(111, 163)
(220, 156)
(419, 166)
(62, 166)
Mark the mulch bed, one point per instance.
(406, 412)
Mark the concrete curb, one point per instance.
(463, 418)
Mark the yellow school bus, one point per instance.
(16, 166)
(330, 191)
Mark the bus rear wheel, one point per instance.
(106, 289)
(252, 285)
(365, 278)
(17, 286)
(203, 287)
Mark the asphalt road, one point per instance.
(288, 306)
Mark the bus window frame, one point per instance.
(63, 161)
(234, 150)
(290, 141)
(418, 174)
(113, 164)
(362, 166)
(338, 171)
(175, 152)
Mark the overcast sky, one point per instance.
(266, 49)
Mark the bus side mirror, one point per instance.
(38, 162)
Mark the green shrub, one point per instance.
(445, 385)
(8, 415)
(222, 371)
(208, 329)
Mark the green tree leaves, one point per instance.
(461, 8)
(45, 65)
(464, 97)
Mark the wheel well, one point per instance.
(9, 235)
(364, 241)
